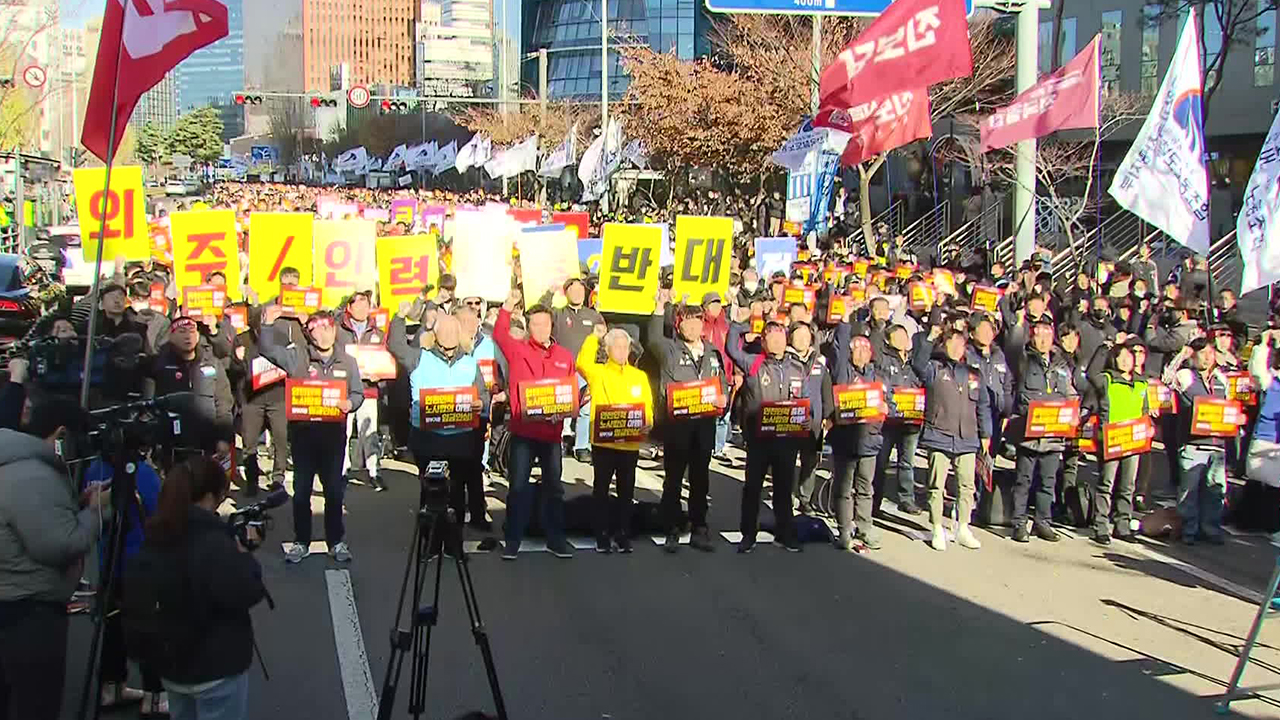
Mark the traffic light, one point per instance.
(319, 102)
(6, 82)
(245, 99)
(395, 106)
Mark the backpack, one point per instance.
(156, 610)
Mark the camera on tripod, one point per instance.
(57, 363)
(255, 516)
(435, 486)
(150, 423)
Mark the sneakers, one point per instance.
(844, 542)
(965, 539)
(701, 540)
(939, 539)
(791, 545)
(723, 459)
(624, 544)
(510, 552)
(1020, 533)
(1101, 538)
(746, 545)
(1045, 532)
(560, 549)
(296, 553)
(671, 545)
(871, 540)
(582, 456)
(377, 483)
(604, 544)
(340, 552)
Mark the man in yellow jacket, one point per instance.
(621, 417)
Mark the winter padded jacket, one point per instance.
(958, 414)
(528, 360)
(613, 384)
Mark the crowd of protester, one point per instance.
(1116, 342)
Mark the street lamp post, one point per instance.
(604, 92)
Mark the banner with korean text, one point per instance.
(406, 264)
(278, 241)
(127, 233)
(880, 125)
(1065, 99)
(774, 254)
(345, 258)
(629, 268)
(703, 257)
(205, 241)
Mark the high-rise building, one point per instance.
(213, 74)
(273, 59)
(455, 47)
(159, 105)
(375, 37)
(570, 31)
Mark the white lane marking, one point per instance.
(1198, 573)
(353, 661)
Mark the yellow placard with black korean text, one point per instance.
(629, 268)
(704, 254)
(278, 240)
(204, 242)
(125, 209)
(344, 258)
(406, 265)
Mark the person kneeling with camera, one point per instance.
(190, 590)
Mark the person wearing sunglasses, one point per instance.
(317, 447)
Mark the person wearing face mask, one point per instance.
(893, 366)
(364, 449)
(957, 424)
(1096, 329)
(572, 325)
(184, 364)
(1044, 373)
(535, 357)
(140, 310)
(752, 289)
(772, 376)
(441, 359)
(1202, 487)
(317, 447)
(818, 389)
(688, 442)
(614, 382)
(45, 533)
(854, 446)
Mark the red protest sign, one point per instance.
(375, 362)
(264, 373)
(785, 418)
(449, 408)
(625, 422)
(1053, 418)
(1130, 437)
(693, 399)
(1215, 417)
(552, 400)
(860, 403)
(295, 301)
(238, 315)
(487, 368)
(985, 298)
(314, 400)
(1240, 387)
(205, 301)
(910, 403)
(1160, 397)
(807, 296)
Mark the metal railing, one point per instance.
(895, 216)
(1225, 263)
(929, 230)
(977, 232)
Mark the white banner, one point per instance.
(563, 156)
(395, 161)
(420, 157)
(807, 141)
(477, 152)
(1258, 225)
(446, 158)
(353, 160)
(1163, 179)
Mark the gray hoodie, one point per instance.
(43, 531)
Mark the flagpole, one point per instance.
(94, 289)
(1208, 190)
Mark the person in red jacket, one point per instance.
(534, 357)
(715, 330)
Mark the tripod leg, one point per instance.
(400, 638)
(425, 619)
(477, 628)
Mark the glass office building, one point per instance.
(570, 31)
(213, 74)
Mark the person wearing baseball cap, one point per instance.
(1201, 458)
(570, 327)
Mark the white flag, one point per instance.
(375, 163)
(563, 156)
(420, 157)
(1258, 226)
(591, 160)
(1163, 179)
(521, 157)
(353, 160)
(445, 159)
(809, 140)
(637, 154)
(477, 152)
(395, 160)
(601, 160)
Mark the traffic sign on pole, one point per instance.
(34, 76)
(358, 96)
(866, 8)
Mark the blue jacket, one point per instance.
(431, 369)
(856, 439)
(998, 375)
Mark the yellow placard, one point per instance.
(127, 233)
(548, 257)
(344, 258)
(277, 241)
(405, 265)
(703, 256)
(205, 241)
(629, 268)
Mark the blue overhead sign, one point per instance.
(264, 153)
(808, 7)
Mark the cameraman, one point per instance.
(221, 583)
(45, 532)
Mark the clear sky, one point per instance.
(74, 13)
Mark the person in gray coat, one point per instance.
(46, 529)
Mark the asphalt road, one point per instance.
(1047, 631)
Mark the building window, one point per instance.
(1112, 21)
(1264, 47)
(1150, 81)
(1044, 45)
(1068, 48)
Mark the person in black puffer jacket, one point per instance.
(855, 446)
(221, 582)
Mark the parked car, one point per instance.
(77, 273)
(18, 309)
(176, 186)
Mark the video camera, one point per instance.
(255, 516)
(57, 364)
(435, 486)
(150, 423)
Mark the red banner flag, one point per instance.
(1062, 100)
(141, 41)
(880, 125)
(913, 44)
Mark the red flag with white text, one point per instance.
(148, 38)
(912, 44)
(1065, 99)
(880, 125)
